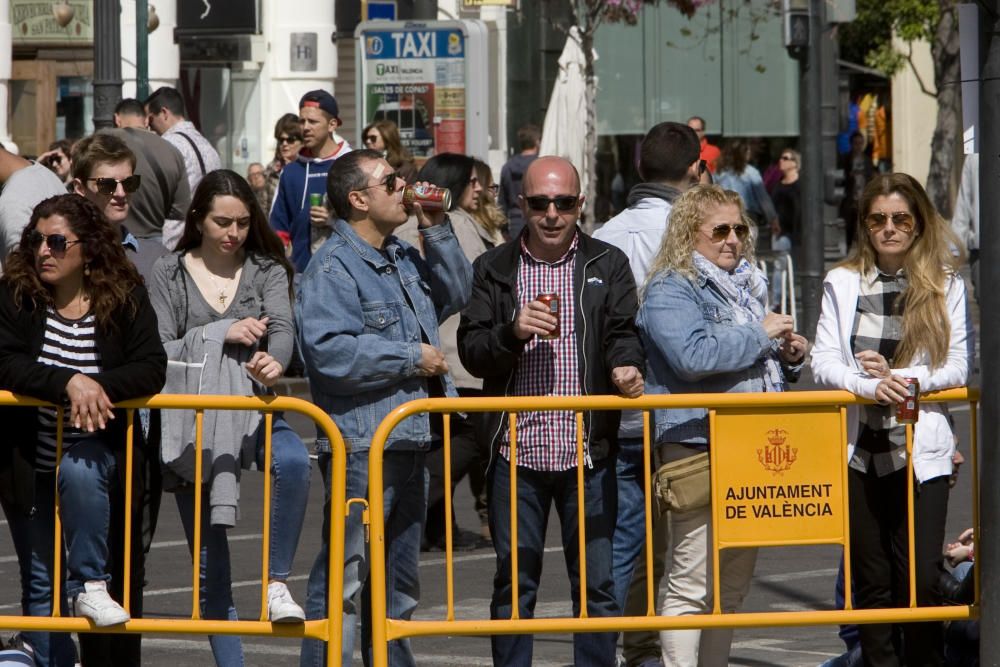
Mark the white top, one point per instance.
(834, 366)
(209, 156)
(965, 222)
(638, 231)
(23, 191)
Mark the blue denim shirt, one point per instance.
(694, 345)
(362, 315)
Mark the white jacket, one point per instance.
(834, 366)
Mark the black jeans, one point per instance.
(880, 564)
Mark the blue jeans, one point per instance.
(537, 491)
(290, 493)
(33, 542)
(405, 482)
(630, 531)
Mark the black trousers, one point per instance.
(467, 458)
(880, 564)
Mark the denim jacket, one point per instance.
(693, 345)
(362, 315)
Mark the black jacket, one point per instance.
(133, 364)
(605, 307)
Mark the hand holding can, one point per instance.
(551, 300)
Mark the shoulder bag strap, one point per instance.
(197, 153)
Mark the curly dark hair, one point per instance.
(261, 239)
(110, 277)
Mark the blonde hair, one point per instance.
(928, 264)
(686, 217)
(488, 215)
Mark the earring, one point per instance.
(86, 269)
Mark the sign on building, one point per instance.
(219, 17)
(32, 21)
(430, 79)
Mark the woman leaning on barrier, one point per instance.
(895, 309)
(223, 304)
(76, 329)
(706, 329)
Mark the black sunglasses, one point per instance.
(108, 186)
(562, 202)
(289, 140)
(57, 243)
(370, 139)
(389, 183)
(721, 232)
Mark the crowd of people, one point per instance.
(146, 268)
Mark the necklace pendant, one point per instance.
(222, 299)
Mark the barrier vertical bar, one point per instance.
(335, 567)
(647, 486)
(845, 501)
(449, 574)
(581, 515)
(910, 537)
(265, 547)
(57, 567)
(515, 594)
(713, 471)
(129, 466)
(199, 420)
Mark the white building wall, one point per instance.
(164, 55)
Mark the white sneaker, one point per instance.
(95, 603)
(281, 608)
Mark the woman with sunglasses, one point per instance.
(895, 309)
(76, 329)
(288, 143)
(383, 135)
(488, 214)
(224, 307)
(704, 324)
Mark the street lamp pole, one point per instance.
(107, 62)
(141, 50)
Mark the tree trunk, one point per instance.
(590, 166)
(945, 52)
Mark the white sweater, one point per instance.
(834, 366)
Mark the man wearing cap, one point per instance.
(291, 214)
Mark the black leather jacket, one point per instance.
(605, 307)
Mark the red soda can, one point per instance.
(551, 300)
(430, 197)
(908, 410)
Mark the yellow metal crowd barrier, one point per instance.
(327, 629)
(788, 446)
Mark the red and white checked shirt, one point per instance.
(547, 440)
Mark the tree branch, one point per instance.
(916, 74)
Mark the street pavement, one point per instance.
(786, 579)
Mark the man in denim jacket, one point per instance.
(367, 314)
(509, 337)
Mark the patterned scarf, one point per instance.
(745, 289)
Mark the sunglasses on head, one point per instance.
(289, 140)
(389, 183)
(108, 186)
(721, 232)
(562, 202)
(57, 243)
(901, 220)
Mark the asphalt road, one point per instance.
(792, 578)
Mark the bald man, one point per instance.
(521, 346)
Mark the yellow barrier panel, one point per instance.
(779, 478)
(328, 629)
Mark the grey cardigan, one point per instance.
(200, 362)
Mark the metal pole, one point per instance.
(107, 62)
(141, 50)
(988, 539)
(810, 127)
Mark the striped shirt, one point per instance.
(878, 325)
(547, 440)
(67, 344)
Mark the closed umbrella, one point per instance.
(565, 130)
